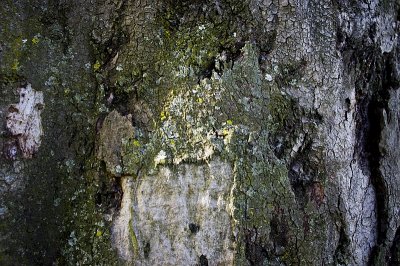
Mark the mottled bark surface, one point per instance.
(215, 132)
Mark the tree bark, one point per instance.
(206, 132)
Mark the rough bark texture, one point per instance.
(206, 132)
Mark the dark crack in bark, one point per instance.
(372, 95)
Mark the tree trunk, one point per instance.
(205, 132)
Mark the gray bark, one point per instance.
(224, 132)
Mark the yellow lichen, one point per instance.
(15, 66)
(96, 65)
(99, 233)
(163, 115)
(136, 143)
(35, 40)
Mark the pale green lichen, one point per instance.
(192, 133)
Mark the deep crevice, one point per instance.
(377, 180)
(372, 95)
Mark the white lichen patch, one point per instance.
(24, 121)
(160, 158)
(268, 77)
(182, 214)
